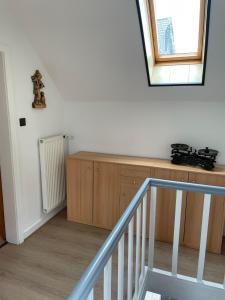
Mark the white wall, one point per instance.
(131, 118)
(147, 128)
(23, 62)
(93, 51)
(6, 160)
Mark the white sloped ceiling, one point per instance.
(93, 50)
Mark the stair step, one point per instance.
(154, 296)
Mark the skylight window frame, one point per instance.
(177, 58)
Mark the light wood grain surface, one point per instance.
(141, 161)
(106, 195)
(166, 203)
(51, 261)
(194, 214)
(114, 181)
(80, 191)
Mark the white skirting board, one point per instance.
(45, 218)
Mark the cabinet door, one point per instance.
(80, 191)
(131, 179)
(194, 214)
(165, 205)
(2, 224)
(106, 195)
(127, 192)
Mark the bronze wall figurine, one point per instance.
(39, 96)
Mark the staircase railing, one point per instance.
(137, 210)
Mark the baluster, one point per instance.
(138, 249)
(144, 210)
(130, 260)
(120, 268)
(204, 234)
(224, 282)
(152, 228)
(108, 280)
(176, 236)
(91, 295)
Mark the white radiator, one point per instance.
(53, 178)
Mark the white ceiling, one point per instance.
(83, 42)
(92, 49)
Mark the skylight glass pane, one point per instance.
(177, 23)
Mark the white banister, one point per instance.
(176, 236)
(121, 269)
(130, 260)
(152, 228)
(204, 234)
(108, 280)
(138, 206)
(91, 295)
(138, 249)
(144, 213)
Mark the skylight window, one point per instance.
(177, 28)
(174, 32)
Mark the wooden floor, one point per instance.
(2, 242)
(52, 260)
(223, 246)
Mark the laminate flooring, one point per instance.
(50, 262)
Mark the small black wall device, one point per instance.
(22, 122)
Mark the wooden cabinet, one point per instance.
(80, 191)
(100, 188)
(131, 178)
(127, 192)
(194, 214)
(166, 203)
(106, 195)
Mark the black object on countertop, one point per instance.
(183, 154)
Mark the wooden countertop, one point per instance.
(142, 161)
